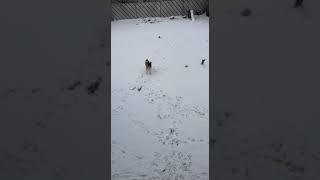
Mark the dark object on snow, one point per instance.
(186, 66)
(73, 86)
(159, 37)
(246, 12)
(189, 14)
(148, 65)
(202, 62)
(298, 4)
(93, 87)
(207, 11)
(171, 17)
(139, 89)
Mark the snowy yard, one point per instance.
(160, 122)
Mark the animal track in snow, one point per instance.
(172, 165)
(171, 114)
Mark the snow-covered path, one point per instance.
(160, 122)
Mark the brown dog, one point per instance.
(148, 65)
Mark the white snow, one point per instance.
(161, 131)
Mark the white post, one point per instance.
(192, 15)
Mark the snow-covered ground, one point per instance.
(160, 122)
